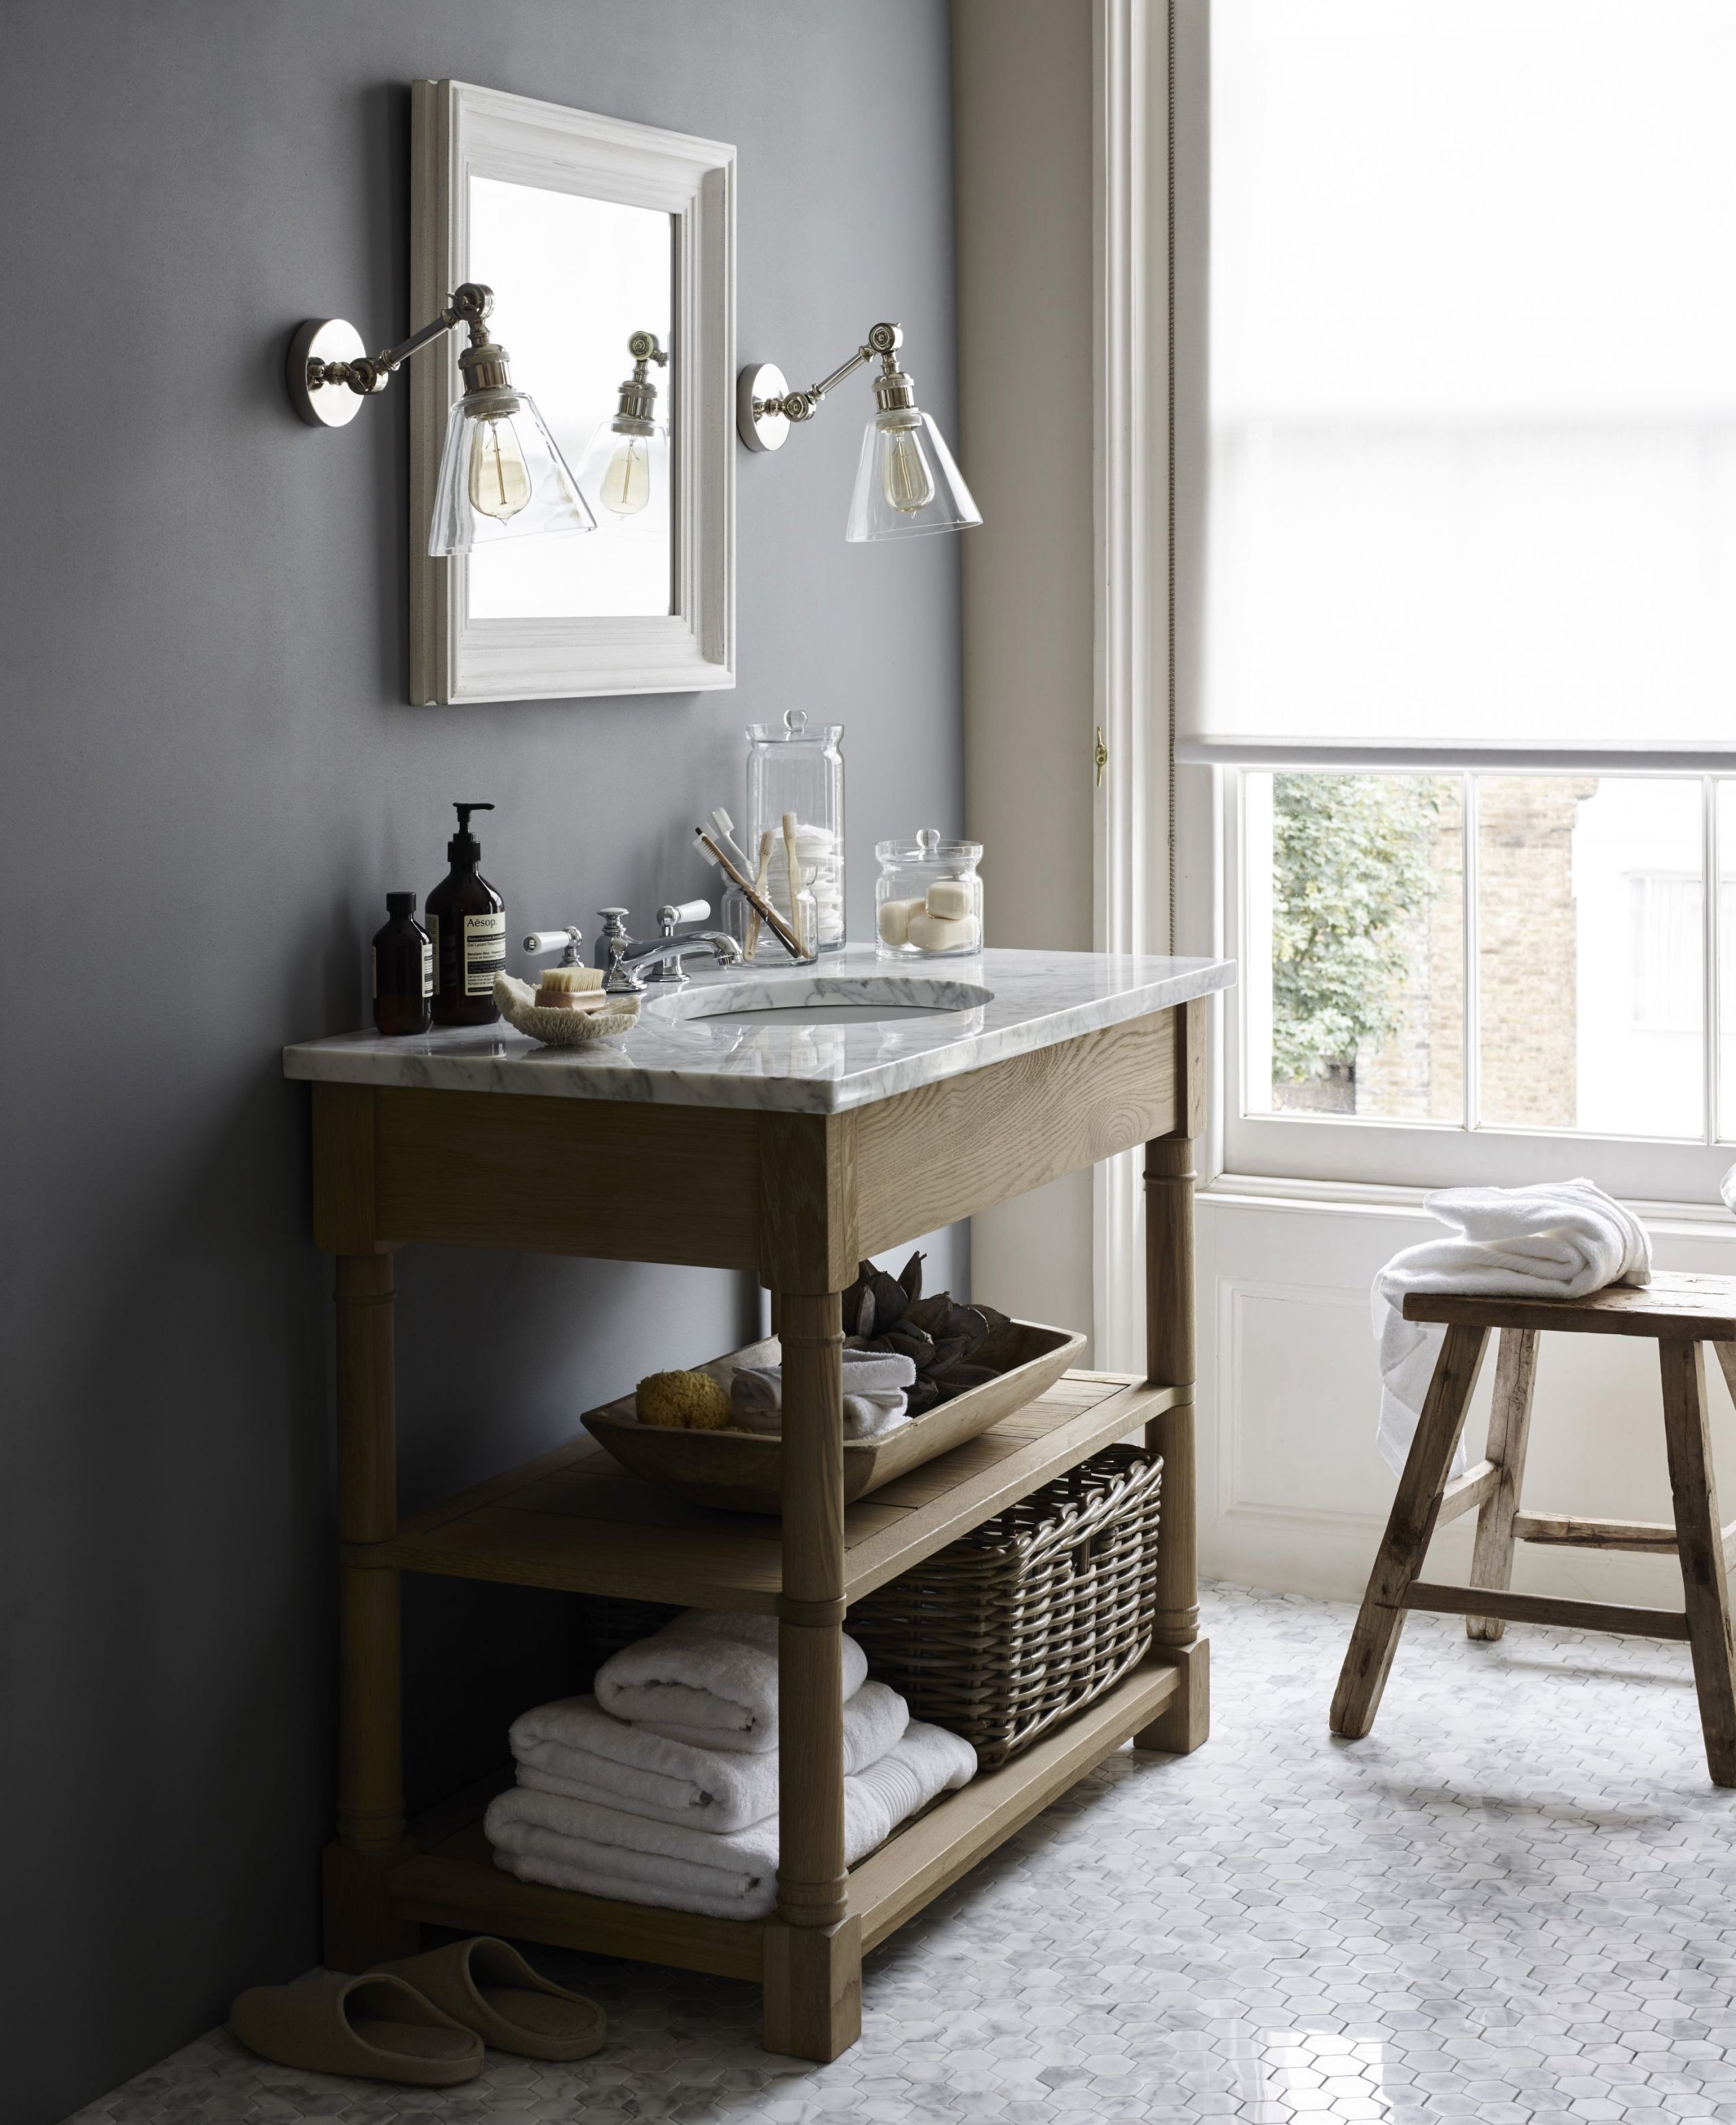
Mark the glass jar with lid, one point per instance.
(795, 768)
(928, 899)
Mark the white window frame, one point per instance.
(1322, 1157)
(1370, 1152)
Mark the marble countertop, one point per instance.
(997, 1004)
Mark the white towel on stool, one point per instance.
(1561, 1239)
(709, 1680)
(601, 1852)
(575, 1749)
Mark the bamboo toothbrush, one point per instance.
(755, 900)
(760, 878)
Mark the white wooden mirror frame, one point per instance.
(458, 131)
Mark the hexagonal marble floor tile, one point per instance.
(1515, 1903)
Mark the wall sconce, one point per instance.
(906, 482)
(501, 473)
(626, 464)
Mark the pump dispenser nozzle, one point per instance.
(464, 847)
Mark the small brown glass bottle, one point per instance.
(403, 969)
(466, 920)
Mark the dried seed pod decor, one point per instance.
(938, 1334)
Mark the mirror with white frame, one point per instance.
(608, 248)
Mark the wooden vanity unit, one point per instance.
(402, 1158)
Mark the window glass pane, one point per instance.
(1355, 996)
(1590, 958)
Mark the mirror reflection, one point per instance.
(578, 283)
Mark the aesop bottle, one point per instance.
(403, 969)
(466, 922)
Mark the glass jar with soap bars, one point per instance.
(795, 772)
(928, 899)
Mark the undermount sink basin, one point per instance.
(823, 999)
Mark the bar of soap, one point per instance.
(894, 919)
(951, 900)
(934, 933)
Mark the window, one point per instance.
(1488, 951)
(1456, 578)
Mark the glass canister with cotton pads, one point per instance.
(795, 780)
(928, 899)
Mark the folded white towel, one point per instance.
(709, 1680)
(574, 1748)
(874, 1400)
(1561, 1239)
(602, 1852)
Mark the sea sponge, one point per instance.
(688, 1402)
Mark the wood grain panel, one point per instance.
(344, 1169)
(624, 1182)
(573, 1519)
(1672, 1307)
(940, 1152)
(893, 1884)
(458, 1884)
(1545, 1608)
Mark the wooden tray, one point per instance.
(742, 1472)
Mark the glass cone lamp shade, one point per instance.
(906, 482)
(624, 475)
(502, 476)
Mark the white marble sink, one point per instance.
(818, 1040)
(817, 998)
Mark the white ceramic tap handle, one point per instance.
(688, 911)
(553, 940)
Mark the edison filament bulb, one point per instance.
(906, 479)
(626, 487)
(499, 479)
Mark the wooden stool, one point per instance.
(1679, 1313)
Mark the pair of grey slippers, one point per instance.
(424, 2021)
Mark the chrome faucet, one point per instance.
(632, 965)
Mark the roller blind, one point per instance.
(1469, 429)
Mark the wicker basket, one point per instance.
(1031, 1616)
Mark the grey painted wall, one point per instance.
(213, 779)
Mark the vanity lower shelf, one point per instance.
(452, 1880)
(575, 1521)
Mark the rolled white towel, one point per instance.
(865, 1415)
(709, 1680)
(1561, 1239)
(576, 1748)
(874, 1398)
(602, 1852)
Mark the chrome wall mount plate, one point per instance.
(761, 431)
(323, 339)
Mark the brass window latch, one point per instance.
(1100, 756)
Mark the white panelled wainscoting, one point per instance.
(1292, 1494)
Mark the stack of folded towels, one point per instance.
(875, 1397)
(662, 1789)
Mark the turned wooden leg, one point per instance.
(1694, 1489)
(1409, 1528)
(813, 1950)
(1186, 1720)
(1509, 1435)
(360, 1928)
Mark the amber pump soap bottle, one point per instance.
(466, 921)
(403, 969)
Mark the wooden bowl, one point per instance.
(742, 1472)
